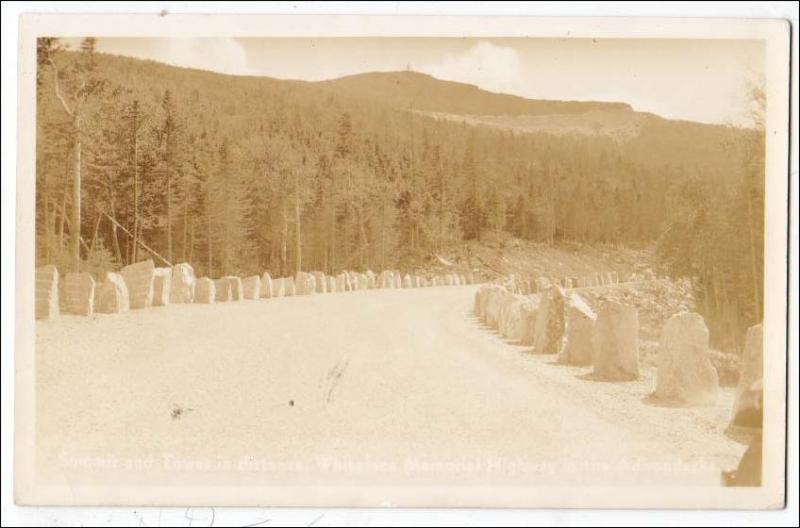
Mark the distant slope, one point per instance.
(620, 125)
(423, 92)
(466, 103)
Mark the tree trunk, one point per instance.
(169, 216)
(76, 195)
(383, 235)
(48, 230)
(753, 260)
(185, 222)
(284, 239)
(298, 242)
(191, 247)
(114, 236)
(135, 191)
(209, 237)
(63, 219)
(333, 235)
(94, 234)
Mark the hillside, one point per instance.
(237, 175)
(418, 91)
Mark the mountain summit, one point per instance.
(422, 92)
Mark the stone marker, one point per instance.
(289, 288)
(615, 354)
(513, 326)
(277, 287)
(309, 285)
(236, 287)
(484, 294)
(161, 286)
(529, 312)
(304, 283)
(407, 281)
(549, 331)
(266, 286)
(481, 298)
(139, 279)
(476, 306)
(498, 297)
(491, 310)
(78, 294)
(505, 302)
(579, 333)
(251, 287)
(46, 292)
(685, 374)
(300, 283)
(223, 290)
(204, 291)
(182, 284)
(111, 296)
(320, 283)
(331, 284)
(751, 370)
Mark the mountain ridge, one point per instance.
(379, 90)
(425, 92)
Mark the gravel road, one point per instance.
(403, 384)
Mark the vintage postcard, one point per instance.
(401, 261)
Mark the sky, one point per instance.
(697, 80)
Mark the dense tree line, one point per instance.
(236, 175)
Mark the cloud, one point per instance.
(492, 67)
(224, 55)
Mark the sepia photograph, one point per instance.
(526, 265)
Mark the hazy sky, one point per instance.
(699, 80)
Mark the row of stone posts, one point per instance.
(526, 286)
(606, 338)
(143, 285)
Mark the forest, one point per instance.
(237, 175)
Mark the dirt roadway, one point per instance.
(403, 384)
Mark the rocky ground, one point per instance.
(494, 257)
(656, 301)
